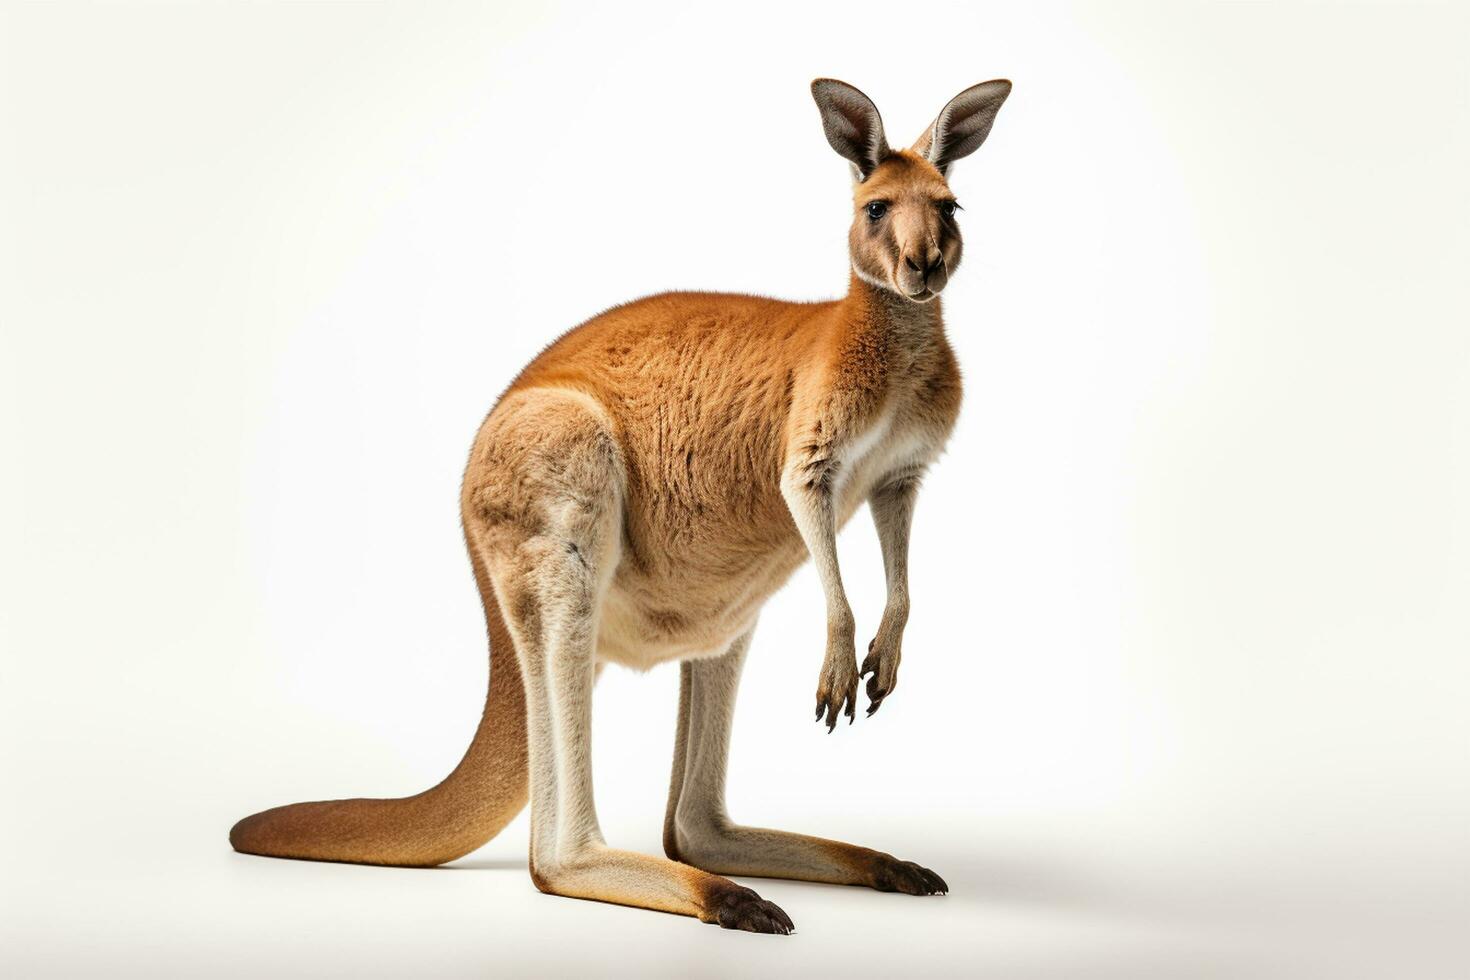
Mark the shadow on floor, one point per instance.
(485, 864)
(976, 877)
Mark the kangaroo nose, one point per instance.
(927, 267)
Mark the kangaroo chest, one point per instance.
(897, 444)
(706, 588)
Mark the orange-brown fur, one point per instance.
(721, 390)
(639, 491)
(472, 804)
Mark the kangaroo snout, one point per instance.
(922, 273)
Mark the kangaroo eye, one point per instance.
(948, 208)
(877, 210)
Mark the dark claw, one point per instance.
(876, 688)
(876, 694)
(748, 912)
(909, 878)
(837, 695)
(786, 920)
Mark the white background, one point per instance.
(1184, 691)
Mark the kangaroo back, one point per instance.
(473, 803)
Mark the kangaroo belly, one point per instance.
(691, 582)
(690, 608)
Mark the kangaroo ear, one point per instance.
(963, 124)
(852, 125)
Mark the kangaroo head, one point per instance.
(905, 236)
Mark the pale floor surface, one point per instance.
(1016, 911)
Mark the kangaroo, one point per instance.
(634, 497)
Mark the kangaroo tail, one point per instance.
(473, 803)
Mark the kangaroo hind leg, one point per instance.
(697, 828)
(548, 517)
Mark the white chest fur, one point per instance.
(887, 449)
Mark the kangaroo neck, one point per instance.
(871, 307)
